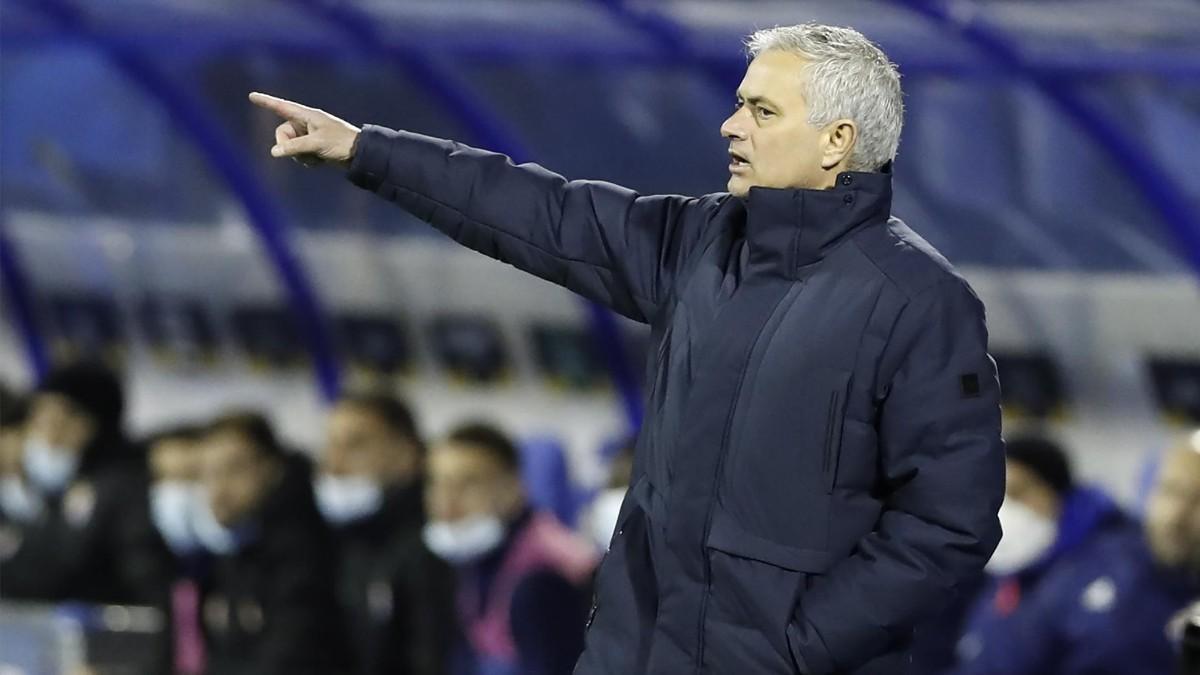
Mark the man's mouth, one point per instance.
(737, 161)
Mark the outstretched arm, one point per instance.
(601, 240)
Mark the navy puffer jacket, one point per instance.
(821, 461)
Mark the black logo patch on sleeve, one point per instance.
(970, 385)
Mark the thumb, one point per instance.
(304, 145)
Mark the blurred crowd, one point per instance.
(383, 551)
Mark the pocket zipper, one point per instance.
(829, 461)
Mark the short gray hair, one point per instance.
(848, 77)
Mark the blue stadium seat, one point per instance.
(548, 478)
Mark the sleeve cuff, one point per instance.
(369, 165)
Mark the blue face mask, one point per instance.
(463, 541)
(345, 499)
(173, 508)
(50, 469)
(216, 538)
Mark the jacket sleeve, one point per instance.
(600, 240)
(942, 477)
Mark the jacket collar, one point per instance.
(790, 229)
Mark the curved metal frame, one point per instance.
(1164, 192)
(489, 129)
(266, 217)
(16, 288)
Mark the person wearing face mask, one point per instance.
(268, 604)
(396, 597)
(1072, 587)
(1173, 531)
(521, 573)
(18, 502)
(175, 499)
(82, 539)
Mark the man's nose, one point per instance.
(732, 127)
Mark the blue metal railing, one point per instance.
(21, 305)
(489, 130)
(266, 217)
(1163, 191)
(1055, 77)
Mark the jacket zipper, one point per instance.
(712, 506)
(827, 462)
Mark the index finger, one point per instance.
(282, 107)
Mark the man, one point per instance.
(1173, 510)
(176, 466)
(17, 501)
(397, 598)
(1173, 525)
(821, 461)
(175, 500)
(270, 597)
(1074, 589)
(79, 538)
(521, 574)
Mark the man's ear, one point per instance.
(838, 139)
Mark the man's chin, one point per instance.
(738, 186)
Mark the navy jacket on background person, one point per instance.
(821, 461)
(1095, 605)
(270, 607)
(397, 598)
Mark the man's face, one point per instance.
(236, 475)
(1173, 510)
(769, 133)
(464, 481)
(1023, 485)
(176, 460)
(359, 443)
(54, 420)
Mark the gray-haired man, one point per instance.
(821, 462)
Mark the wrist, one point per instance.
(353, 148)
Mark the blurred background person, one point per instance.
(1173, 510)
(397, 598)
(18, 503)
(1173, 530)
(176, 501)
(521, 574)
(269, 602)
(87, 540)
(1073, 587)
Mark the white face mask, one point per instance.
(464, 541)
(173, 507)
(210, 533)
(602, 517)
(345, 499)
(17, 501)
(49, 468)
(1027, 537)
